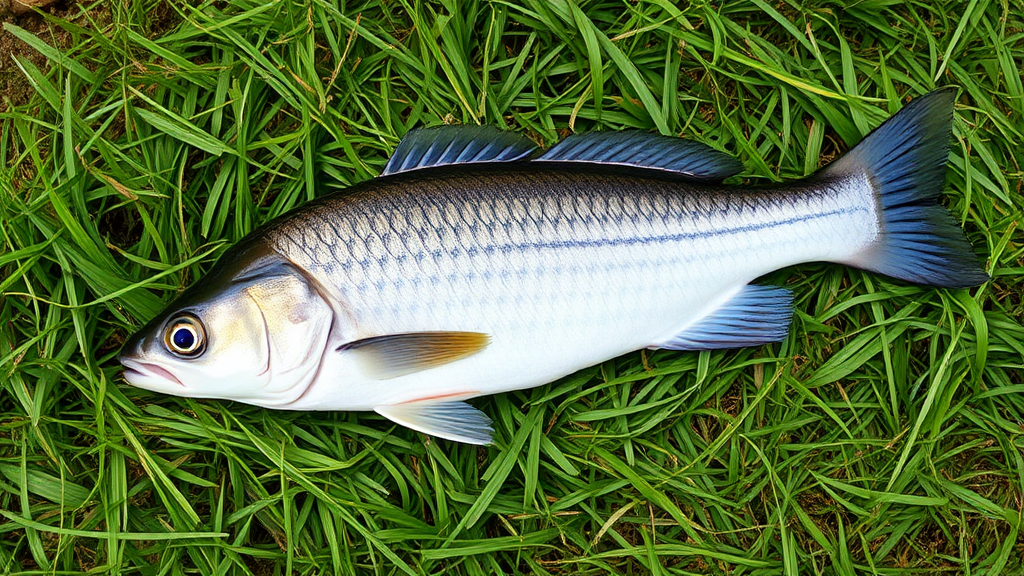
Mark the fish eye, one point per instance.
(185, 336)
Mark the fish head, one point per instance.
(255, 333)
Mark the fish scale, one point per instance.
(476, 265)
(614, 273)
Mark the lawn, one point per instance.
(141, 138)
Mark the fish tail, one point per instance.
(904, 163)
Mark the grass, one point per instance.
(141, 138)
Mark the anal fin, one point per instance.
(754, 316)
(448, 419)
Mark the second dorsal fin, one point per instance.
(443, 145)
(687, 158)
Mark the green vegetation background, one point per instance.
(142, 137)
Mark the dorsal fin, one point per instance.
(443, 145)
(687, 158)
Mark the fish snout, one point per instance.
(142, 374)
(148, 376)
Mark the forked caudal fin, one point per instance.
(904, 160)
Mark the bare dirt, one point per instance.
(18, 7)
(45, 21)
(14, 87)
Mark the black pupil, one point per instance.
(184, 338)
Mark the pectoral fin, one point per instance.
(451, 420)
(399, 354)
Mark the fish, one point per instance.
(477, 264)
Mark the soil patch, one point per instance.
(15, 89)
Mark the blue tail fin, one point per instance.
(904, 160)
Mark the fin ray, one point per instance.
(904, 161)
(445, 145)
(687, 158)
(756, 315)
(396, 355)
(451, 420)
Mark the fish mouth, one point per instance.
(148, 376)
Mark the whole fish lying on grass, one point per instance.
(475, 265)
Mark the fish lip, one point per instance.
(136, 369)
